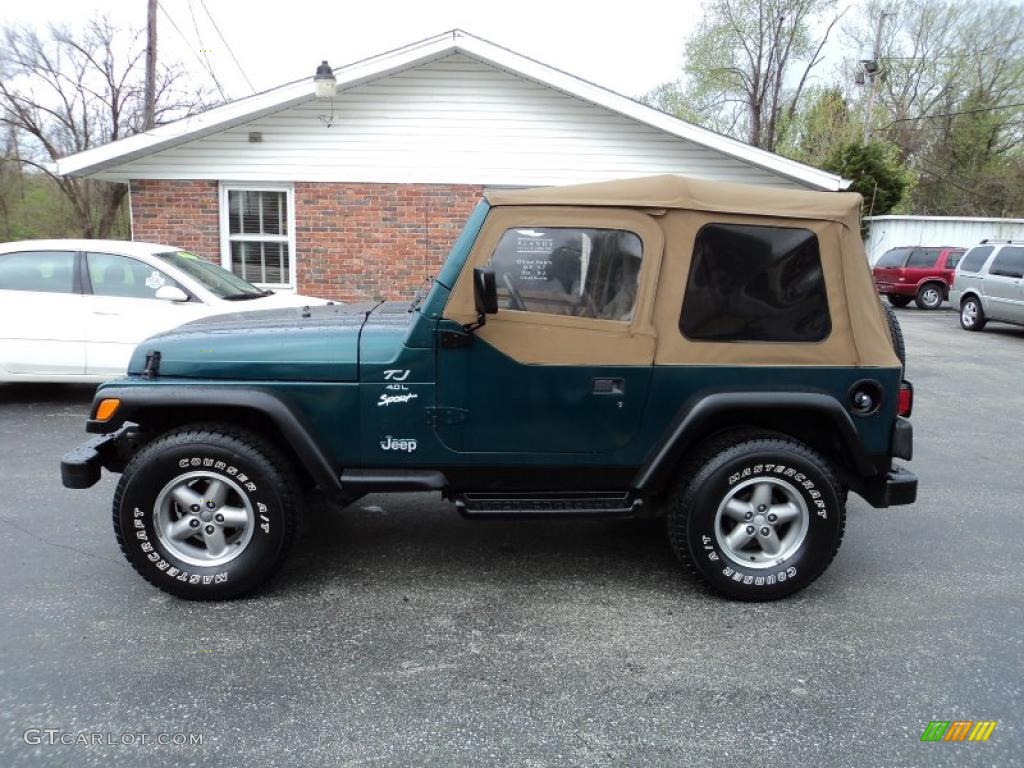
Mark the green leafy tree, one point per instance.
(876, 172)
(822, 126)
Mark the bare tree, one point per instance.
(64, 92)
(750, 61)
(951, 99)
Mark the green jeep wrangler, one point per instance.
(711, 353)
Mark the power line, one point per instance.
(929, 169)
(953, 114)
(202, 48)
(188, 44)
(223, 40)
(994, 51)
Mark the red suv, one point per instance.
(922, 274)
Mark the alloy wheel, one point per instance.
(203, 519)
(761, 522)
(969, 314)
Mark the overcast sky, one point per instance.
(627, 46)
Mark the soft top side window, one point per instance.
(755, 283)
(578, 271)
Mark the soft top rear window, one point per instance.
(755, 283)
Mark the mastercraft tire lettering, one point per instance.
(757, 519)
(205, 512)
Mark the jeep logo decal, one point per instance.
(406, 444)
(396, 375)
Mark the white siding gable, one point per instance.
(452, 120)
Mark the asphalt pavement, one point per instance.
(400, 634)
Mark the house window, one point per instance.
(258, 233)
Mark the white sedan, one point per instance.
(73, 310)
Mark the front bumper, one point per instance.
(80, 468)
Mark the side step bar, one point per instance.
(505, 505)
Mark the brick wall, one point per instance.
(360, 241)
(181, 213)
(354, 241)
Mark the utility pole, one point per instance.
(872, 68)
(149, 117)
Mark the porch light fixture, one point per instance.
(325, 84)
(324, 80)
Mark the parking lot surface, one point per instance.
(400, 634)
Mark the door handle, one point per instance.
(609, 386)
(107, 314)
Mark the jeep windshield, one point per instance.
(218, 281)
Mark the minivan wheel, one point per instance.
(929, 296)
(972, 316)
(898, 301)
(206, 512)
(757, 517)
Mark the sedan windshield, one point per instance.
(218, 281)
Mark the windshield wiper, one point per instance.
(244, 296)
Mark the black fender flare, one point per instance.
(168, 397)
(689, 428)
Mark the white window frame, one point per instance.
(226, 238)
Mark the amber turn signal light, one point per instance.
(107, 408)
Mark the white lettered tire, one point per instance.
(758, 517)
(206, 512)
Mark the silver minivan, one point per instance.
(989, 284)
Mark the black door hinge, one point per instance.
(455, 339)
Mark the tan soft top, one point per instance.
(668, 191)
(667, 212)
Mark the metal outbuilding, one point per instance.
(885, 232)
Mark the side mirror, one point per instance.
(485, 292)
(171, 293)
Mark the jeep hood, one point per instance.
(317, 343)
